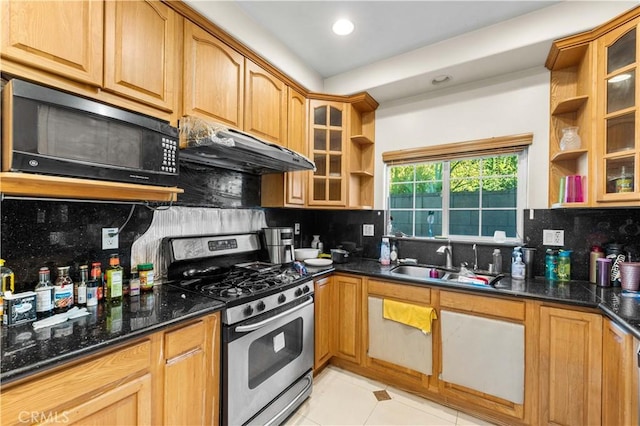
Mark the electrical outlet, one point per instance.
(109, 238)
(296, 229)
(553, 237)
(367, 230)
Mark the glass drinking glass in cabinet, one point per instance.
(320, 115)
(570, 139)
(622, 52)
(621, 133)
(621, 90)
(620, 175)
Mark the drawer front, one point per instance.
(184, 340)
(398, 291)
(491, 306)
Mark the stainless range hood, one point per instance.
(213, 144)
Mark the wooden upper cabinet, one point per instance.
(265, 108)
(61, 37)
(213, 78)
(297, 141)
(140, 51)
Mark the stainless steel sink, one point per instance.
(447, 275)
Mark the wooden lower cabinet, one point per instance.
(323, 322)
(126, 385)
(348, 313)
(619, 376)
(570, 376)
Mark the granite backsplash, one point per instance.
(58, 233)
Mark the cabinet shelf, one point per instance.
(362, 173)
(33, 185)
(570, 205)
(570, 105)
(568, 155)
(362, 140)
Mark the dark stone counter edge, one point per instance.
(50, 363)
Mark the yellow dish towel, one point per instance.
(409, 314)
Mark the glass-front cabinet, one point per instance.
(617, 163)
(328, 141)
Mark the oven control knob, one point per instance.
(248, 310)
(298, 292)
(305, 289)
(260, 306)
(282, 298)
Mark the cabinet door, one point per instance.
(265, 107)
(618, 115)
(61, 37)
(349, 318)
(140, 51)
(213, 78)
(190, 373)
(323, 321)
(327, 139)
(297, 141)
(619, 377)
(570, 367)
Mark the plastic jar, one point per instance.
(551, 265)
(145, 273)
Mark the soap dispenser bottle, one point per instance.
(518, 268)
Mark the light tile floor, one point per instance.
(343, 398)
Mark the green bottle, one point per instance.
(114, 279)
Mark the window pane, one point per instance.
(335, 143)
(464, 222)
(401, 195)
(503, 220)
(335, 118)
(402, 174)
(319, 139)
(402, 221)
(320, 115)
(621, 93)
(432, 172)
(465, 193)
(427, 197)
(465, 168)
(422, 223)
(500, 166)
(500, 192)
(621, 133)
(622, 52)
(319, 189)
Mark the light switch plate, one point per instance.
(367, 230)
(109, 238)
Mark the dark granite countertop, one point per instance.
(621, 306)
(25, 351)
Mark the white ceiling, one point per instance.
(383, 29)
(398, 47)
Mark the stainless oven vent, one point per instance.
(213, 144)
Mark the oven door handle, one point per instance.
(252, 327)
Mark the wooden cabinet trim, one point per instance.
(489, 306)
(402, 292)
(185, 339)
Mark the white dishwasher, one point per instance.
(483, 354)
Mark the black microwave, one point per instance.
(51, 132)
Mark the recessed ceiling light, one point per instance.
(441, 79)
(619, 78)
(343, 27)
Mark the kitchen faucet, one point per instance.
(448, 252)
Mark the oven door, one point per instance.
(263, 357)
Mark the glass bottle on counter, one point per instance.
(114, 279)
(63, 291)
(81, 288)
(564, 265)
(44, 294)
(96, 279)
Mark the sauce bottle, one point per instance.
(81, 288)
(63, 291)
(594, 255)
(96, 279)
(114, 279)
(44, 294)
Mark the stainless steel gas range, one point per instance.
(268, 323)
